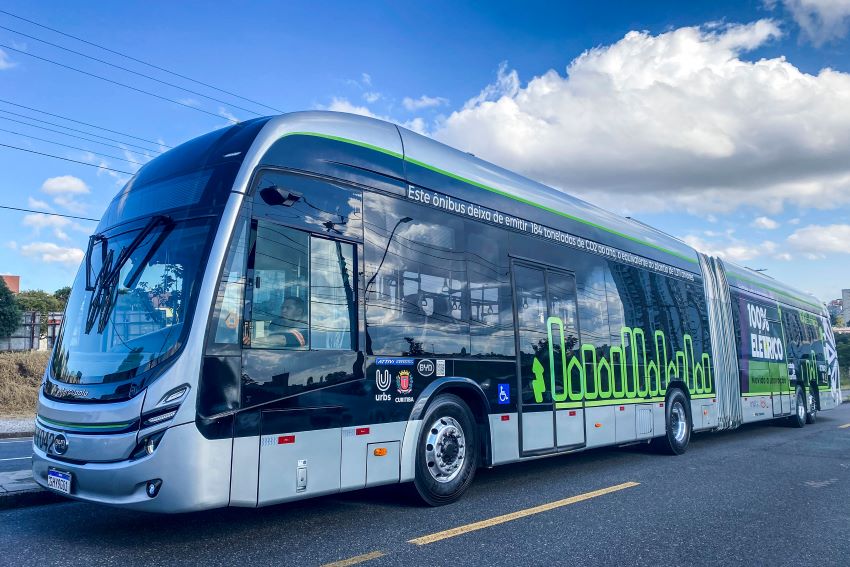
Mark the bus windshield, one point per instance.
(125, 323)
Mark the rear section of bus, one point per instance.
(117, 408)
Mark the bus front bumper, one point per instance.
(193, 474)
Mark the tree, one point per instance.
(10, 313)
(40, 301)
(62, 294)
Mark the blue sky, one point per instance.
(713, 121)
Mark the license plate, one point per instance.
(59, 481)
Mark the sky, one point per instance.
(726, 124)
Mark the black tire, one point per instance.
(811, 406)
(436, 485)
(675, 440)
(799, 418)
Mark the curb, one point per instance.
(13, 434)
(26, 498)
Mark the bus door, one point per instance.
(551, 405)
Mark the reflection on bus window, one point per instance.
(281, 279)
(304, 291)
(332, 295)
(417, 298)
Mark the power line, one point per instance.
(140, 61)
(67, 159)
(120, 84)
(72, 129)
(72, 147)
(196, 93)
(84, 123)
(46, 213)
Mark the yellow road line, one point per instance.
(519, 514)
(355, 560)
(845, 426)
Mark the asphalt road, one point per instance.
(15, 454)
(763, 495)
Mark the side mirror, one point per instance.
(276, 196)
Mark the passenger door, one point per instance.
(550, 408)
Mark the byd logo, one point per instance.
(425, 367)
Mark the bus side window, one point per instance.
(226, 322)
(333, 295)
(304, 294)
(280, 311)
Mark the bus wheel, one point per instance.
(447, 452)
(678, 425)
(811, 407)
(799, 417)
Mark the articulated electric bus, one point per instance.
(320, 302)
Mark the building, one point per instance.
(845, 305)
(12, 282)
(835, 308)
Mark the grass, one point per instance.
(20, 377)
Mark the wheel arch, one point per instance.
(472, 395)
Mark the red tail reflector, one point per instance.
(506, 418)
(362, 431)
(622, 408)
(572, 413)
(286, 439)
(661, 405)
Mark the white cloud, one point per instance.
(816, 240)
(765, 223)
(56, 224)
(5, 62)
(820, 20)
(65, 185)
(38, 204)
(51, 252)
(371, 97)
(344, 105)
(676, 121)
(794, 221)
(12, 245)
(424, 101)
(732, 249)
(64, 190)
(227, 114)
(366, 79)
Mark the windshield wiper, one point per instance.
(106, 283)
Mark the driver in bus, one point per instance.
(291, 326)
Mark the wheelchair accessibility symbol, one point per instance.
(504, 394)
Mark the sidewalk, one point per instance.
(16, 427)
(17, 489)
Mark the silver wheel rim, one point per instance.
(812, 410)
(445, 449)
(801, 409)
(679, 422)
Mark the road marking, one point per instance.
(355, 560)
(845, 426)
(15, 459)
(16, 440)
(424, 540)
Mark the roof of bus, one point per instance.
(426, 152)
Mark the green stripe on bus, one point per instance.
(496, 191)
(601, 403)
(84, 425)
